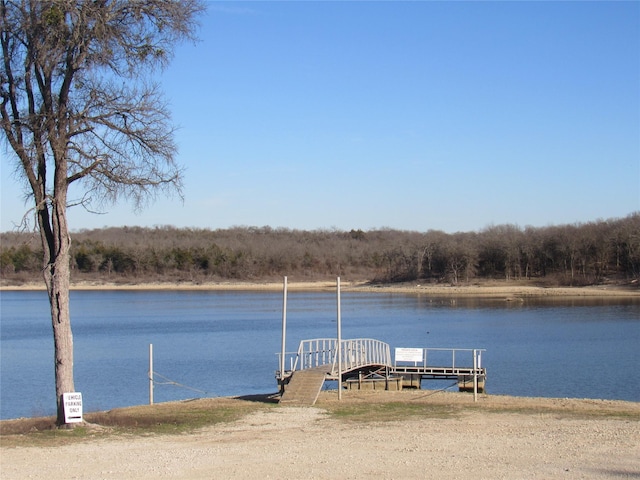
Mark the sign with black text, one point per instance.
(72, 403)
(409, 354)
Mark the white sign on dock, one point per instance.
(72, 403)
(408, 354)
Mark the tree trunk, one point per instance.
(56, 243)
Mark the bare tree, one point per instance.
(76, 110)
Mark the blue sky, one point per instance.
(409, 115)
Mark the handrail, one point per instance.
(420, 357)
(315, 353)
(362, 352)
(356, 353)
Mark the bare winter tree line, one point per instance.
(577, 254)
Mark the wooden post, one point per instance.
(151, 374)
(339, 346)
(284, 333)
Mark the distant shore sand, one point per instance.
(493, 290)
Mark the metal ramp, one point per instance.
(317, 360)
(303, 387)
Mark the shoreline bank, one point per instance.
(328, 399)
(487, 291)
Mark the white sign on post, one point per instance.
(72, 403)
(408, 354)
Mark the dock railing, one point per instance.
(362, 352)
(355, 353)
(450, 359)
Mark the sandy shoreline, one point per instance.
(446, 437)
(495, 290)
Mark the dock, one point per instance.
(367, 364)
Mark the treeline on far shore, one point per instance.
(576, 254)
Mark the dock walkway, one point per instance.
(305, 386)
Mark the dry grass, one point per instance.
(389, 405)
(165, 418)
(388, 411)
(188, 416)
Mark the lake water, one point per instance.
(225, 343)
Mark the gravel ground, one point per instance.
(498, 438)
